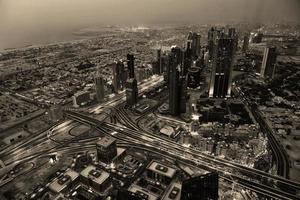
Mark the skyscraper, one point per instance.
(99, 87)
(159, 64)
(187, 63)
(177, 88)
(210, 41)
(203, 187)
(269, 62)
(130, 65)
(118, 75)
(222, 64)
(196, 46)
(131, 92)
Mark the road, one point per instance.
(133, 135)
(248, 177)
(281, 158)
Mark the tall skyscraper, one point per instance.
(222, 66)
(99, 87)
(213, 34)
(269, 62)
(204, 187)
(159, 62)
(118, 75)
(196, 46)
(187, 63)
(130, 65)
(131, 92)
(177, 88)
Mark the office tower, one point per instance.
(196, 46)
(210, 41)
(173, 89)
(245, 44)
(177, 55)
(130, 65)
(99, 88)
(177, 89)
(269, 62)
(118, 75)
(159, 62)
(203, 187)
(183, 94)
(106, 149)
(187, 63)
(222, 64)
(131, 92)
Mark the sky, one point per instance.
(30, 20)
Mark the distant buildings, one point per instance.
(203, 187)
(223, 46)
(269, 62)
(99, 88)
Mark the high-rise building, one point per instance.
(159, 62)
(222, 66)
(177, 89)
(212, 34)
(269, 62)
(106, 149)
(99, 88)
(196, 46)
(118, 75)
(203, 187)
(130, 65)
(131, 92)
(187, 63)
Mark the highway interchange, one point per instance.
(129, 134)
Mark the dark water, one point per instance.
(25, 22)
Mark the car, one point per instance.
(174, 192)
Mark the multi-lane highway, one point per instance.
(133, 135)
(245, 176)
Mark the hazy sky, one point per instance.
(29, 20)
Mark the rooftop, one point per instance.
(96, 175)
(161, 169)
(106, 141)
